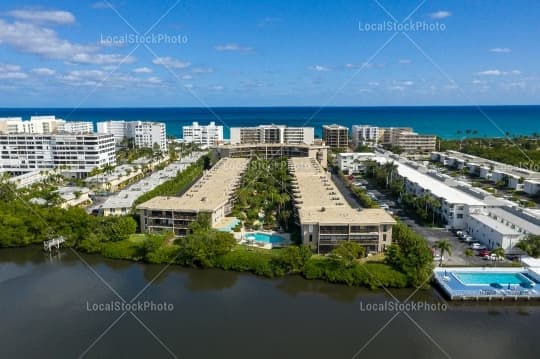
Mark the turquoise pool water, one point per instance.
(473, 278)
(264, 237)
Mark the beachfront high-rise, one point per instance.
(75, 154)
(209, 135)
(36, 125)
(336, 136)
(143, 134)
(279, 134)
(365, 135)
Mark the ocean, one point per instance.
(445, 121)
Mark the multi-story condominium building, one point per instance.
(143, 134)
(272, 134)
(365, 135)
(336, 136)
(325, 217)
(36, 125)
(213, 194)
(209, 135)
(117, 128)
(75, 154)
(275, 150)
(76, 127)
(353, 162)
(413, 142)
(406, 139)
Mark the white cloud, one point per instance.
(501, 50)
(319, 68)
(143, 70)
(170, 62)
(479, 82)
(202, 70)
(217, 88)
(404, 61)
(441, 14)
(100, 5)
(407, 83)
(102, 59)
(187, 77)
(232, 47)
(38, 16)
(373, 83)
(11, 72)
(396, 88)
(154, 80)
(498, 73)
(43, 71)
(188, 86)
(359, 66)
(45, 42)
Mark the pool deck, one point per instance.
(241, 237)
(454, 289)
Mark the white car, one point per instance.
(385, 206)
(437, 257)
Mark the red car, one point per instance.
(483, 253)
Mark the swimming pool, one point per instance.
(474, 278)
(264, 238)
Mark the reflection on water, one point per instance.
(235, 315)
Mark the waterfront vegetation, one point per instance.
(408, 262)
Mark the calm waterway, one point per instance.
(45, 301)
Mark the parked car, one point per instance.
(437, 257)
(468, 239)
(476, 245)
(483, 253)
(385, 206)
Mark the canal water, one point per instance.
(60, 307)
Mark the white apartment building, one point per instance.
(36, 125)
(353, 162)
(272, 134)
(209, 135)
(365, 135)
(76, 127)
(494, 222)
(144, 134)
(75, 154)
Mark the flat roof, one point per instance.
(517, 220)
(208, 193)
(248, 145)
(436, 187)
(318, 200)
(495, 225)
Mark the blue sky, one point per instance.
(267, 53)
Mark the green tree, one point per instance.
(347, 253)
(444, 247)
(530, 245)
(469, 253)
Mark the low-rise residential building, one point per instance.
(325, 217)
(118, 178)
(203, 135)
(75, 154)
(213, 194)
(268, 134)
(275, 150)
(513, 177)
(353, 162)
(531, 187)
(122, 202)
(29, 178)
(336, 136)
(74, 196)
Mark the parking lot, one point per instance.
(431, 234)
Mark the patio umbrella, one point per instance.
(508, 285)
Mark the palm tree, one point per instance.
(444, 247)
(388, 170)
